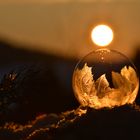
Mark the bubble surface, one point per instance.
(105, 78)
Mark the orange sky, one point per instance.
(64, 28)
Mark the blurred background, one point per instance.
(49, 37)
(63, 27)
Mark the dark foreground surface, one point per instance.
(117, 123)
(21, 102)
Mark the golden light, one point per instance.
(93, 87)
(102, 35)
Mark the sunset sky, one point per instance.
(63, 27)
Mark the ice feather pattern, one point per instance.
(99, 94)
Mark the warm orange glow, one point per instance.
(98, 94)
(102, 35)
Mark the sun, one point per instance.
(102, 35)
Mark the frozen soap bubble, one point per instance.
(105, 78)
